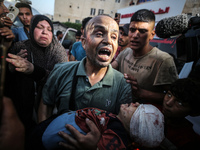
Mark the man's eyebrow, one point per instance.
(99, 27)
(104, 28)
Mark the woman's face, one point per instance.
(43, 33)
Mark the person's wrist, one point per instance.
(31, 69)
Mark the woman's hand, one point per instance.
(21, 64)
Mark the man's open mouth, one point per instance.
(106, 52)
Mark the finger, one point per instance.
(7, 24)
(22, 51)
(134, 88)
(68, 138)
(8, 19)
(10, 37)
(6, 34)
(93, 128)
(12, 56)
(17, 63)
(132, 82)
(20, 69)
(129, 77)
(137, 104)
(12, 61)
(67, 146)
(22, 54)
(74, 132)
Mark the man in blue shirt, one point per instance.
(78, 52)
(25, 15)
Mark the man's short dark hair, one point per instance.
(21, 5)
(143, 15)
(58, 32)
(187, 90)
(78, 33)
(85, 21)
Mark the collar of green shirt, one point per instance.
(108, 78)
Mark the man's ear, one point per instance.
(152, 34)
(83, 41)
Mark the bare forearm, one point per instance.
(151, 96)
(44, 112)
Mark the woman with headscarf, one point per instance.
(30, 62)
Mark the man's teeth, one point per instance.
(105, 51)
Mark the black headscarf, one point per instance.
(34, 21)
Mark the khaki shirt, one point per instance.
(153, 69)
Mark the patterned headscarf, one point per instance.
(46, 57)
(147, 126)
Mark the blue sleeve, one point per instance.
(73, 51)
(15, 32)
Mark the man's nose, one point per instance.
(170, 102)
(107, 39)
(5, 9)
(24, 16)
(135, 34)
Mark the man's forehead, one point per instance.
(104, 25)
(141, 24)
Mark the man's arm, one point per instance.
(6, 36)
(72, 58)
(44, 111)
(82, 142)
(12, 132)
(115, 65)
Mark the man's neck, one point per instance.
(27, 28)
(94, 73)
(123, 48)
(143, 51)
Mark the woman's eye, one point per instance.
(39, 27)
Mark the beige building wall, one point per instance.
(192, 7)
(76, 10)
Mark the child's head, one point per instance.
(182, 99)
(144, 122)
(147, 126)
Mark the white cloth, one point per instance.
(147, 126)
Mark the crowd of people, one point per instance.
(113, 90)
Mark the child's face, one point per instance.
(174, 108)
(126, 112)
